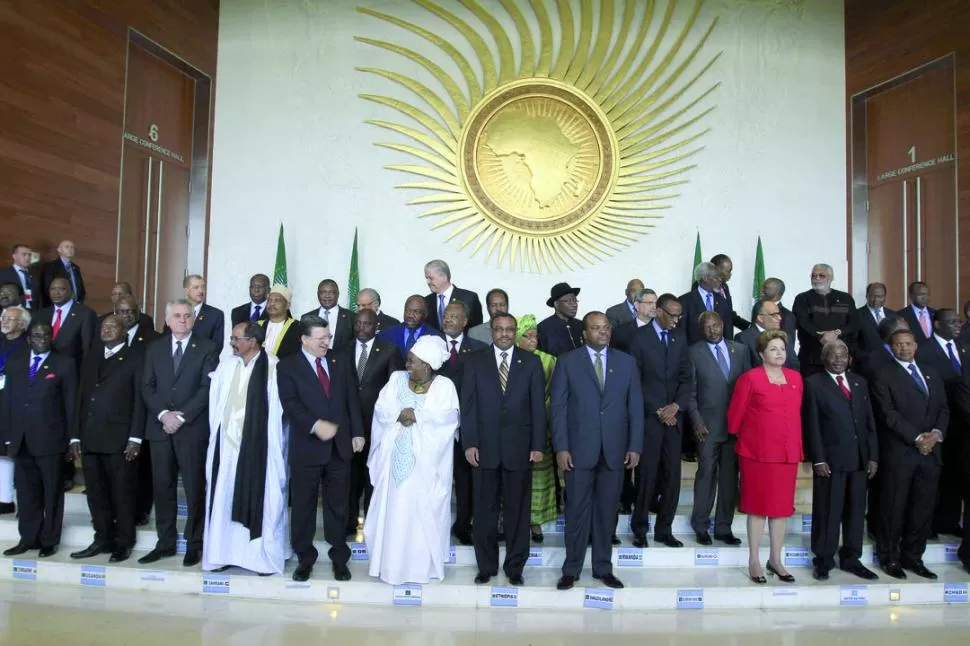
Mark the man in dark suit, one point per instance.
(946, 355)
(503, 433)
(374, 360)
(840, 442)
(962, 411)
(22, 275)
(37, 413)
(713, 366)
(255, 309)
(773, 289)
(10, 296)
(597, 431)
(404, 335)
(73, 323)
(660, 350)
(910, 401)
(63, 267)
(646, 308)
(444, 293)
(340, 320)
(767, 316)
(175, 387)
(208, 322)
(625, 312)
(823, 314)
(561, 332)
(140, 329)
(460, 345)
(918, 313)
(370, 299)
(870, 316)
(704, 297)
(109, 429)
(725, 269)
(319, 397)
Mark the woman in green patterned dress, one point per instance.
(544, 472)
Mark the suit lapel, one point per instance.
(187, 354)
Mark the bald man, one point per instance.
(625, 312)
(63, 267)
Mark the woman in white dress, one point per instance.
(408, 525)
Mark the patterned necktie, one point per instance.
(453, 359)
(255, 315)
(918, 379)
(33, 369)
(57, 324)
(710, 301)
(598, 365)
(362, 361)
(177, 357)
(503, 371)
(879, 316)
(323, 377)
(441, 309)
(924, 322)
(953, 358)
(845, 389)
(722, 361)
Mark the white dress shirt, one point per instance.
(944, 343)
(131, 333)
(456, 340)
(331, 316)
(358, 345)
(252, 308)
(65, 310)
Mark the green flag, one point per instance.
(698, 258)
(353, 282)
(279, 273)
(759, 272)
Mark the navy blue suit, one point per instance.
(598, 428)
(398, 335)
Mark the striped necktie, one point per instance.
(503, 371)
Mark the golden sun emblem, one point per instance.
(560, 155)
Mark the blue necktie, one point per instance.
(410, 340)
(255, 315)
(663, 337)
(710, 302)
(722, 361)
(953, 358)
(33, 369)
(919, 380)
(441, 309)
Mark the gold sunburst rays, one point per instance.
(564, 153)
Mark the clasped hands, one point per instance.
(472, 456)
(172, 421)
(926, 442)
(668, 414)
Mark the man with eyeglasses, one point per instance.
(767, 316)
(562, 331)
(370, 299)
(645, 304)
(823, 314)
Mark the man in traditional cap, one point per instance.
(562, 331)
(282, 330)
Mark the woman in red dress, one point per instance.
(765, 415)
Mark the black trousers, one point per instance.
(591, 499)
(110, 480)
(508, 492)
(838, 503)
(717, 476)
(964, 552)
(144, 491)
(305, 482)
(659, 468)
(40, 497)
(185, 454)
(360, 486)
(907, 497)
(873, 503)
(950, 499)
(464, 497)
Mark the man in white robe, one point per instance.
(246, 518)
(408, 524)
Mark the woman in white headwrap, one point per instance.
(408, 525)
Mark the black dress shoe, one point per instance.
(729, 539)
(820, 574)
(121, 554)
(703, 538)
(341, 572)
(615, 540)
(7, 508)
(669, 541)
(894, 570)
(860, 571)
(481, 578)
(142, 520)
(51, 551)
(192, 557)
(565, 582)
(68, 485)
(640, 541)
(156, 555)
(18, 549)
(537, 537)
(609, 581)
(91, 550)
(516, 579)
(921, 570)
(787, 578)
(465, 538)
(955, 530)
(303, 572)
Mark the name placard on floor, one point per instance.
(854, 595)
(690, 599)
(94, 575)
(955, 593)
(629, 557)
(504, 597)
(407, 595)
(599, 598)
(215, 583)
(707, 557)
(24, 570)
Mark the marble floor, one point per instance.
(39, 614)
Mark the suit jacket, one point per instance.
(186, 390)
(211, 324)
(622, 337)
(304, 402)
(749, 338)
(241, 314)
(382, 361)
(903, 411)
(458, 295)
(710, 390)
(39, 414)
(10, 275)
(55, 269)
(837, 431)
(385, 322)
(145, 323)
(788, 323)
(144, 335)
(504, 427)
(619, 314)
(664, 377)
(109, 404)
(868, 339)
(693, 304)
(591, 423)
(914, 326)
(930, 354)
(398, 335)
(76, 335)
(737, 321)
(345, 327)
(456, 373)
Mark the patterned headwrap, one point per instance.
(526, 322)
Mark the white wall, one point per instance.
(291, 145)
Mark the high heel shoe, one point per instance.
(760, 580)
(787, 578)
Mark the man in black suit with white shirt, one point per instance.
(72, 323)
(705, 296)
(255, 309)
(63, 267)
(918, 313)
(208, 322)
(340, 320)
(444, 293)
(22, 275)
(870, 316)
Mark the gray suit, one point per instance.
(717, 465)
(482, 332)
(619, 314)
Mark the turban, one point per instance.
(432, 350)
(526, 322)
(282, 291)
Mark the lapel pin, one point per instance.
(45, 367)
(518, 360)
(192, 345)
(377, 349)
(610, 371)
(121, 358)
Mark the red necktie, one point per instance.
(322, 376)
(57, 324)
(453, 359)
(845, 389)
